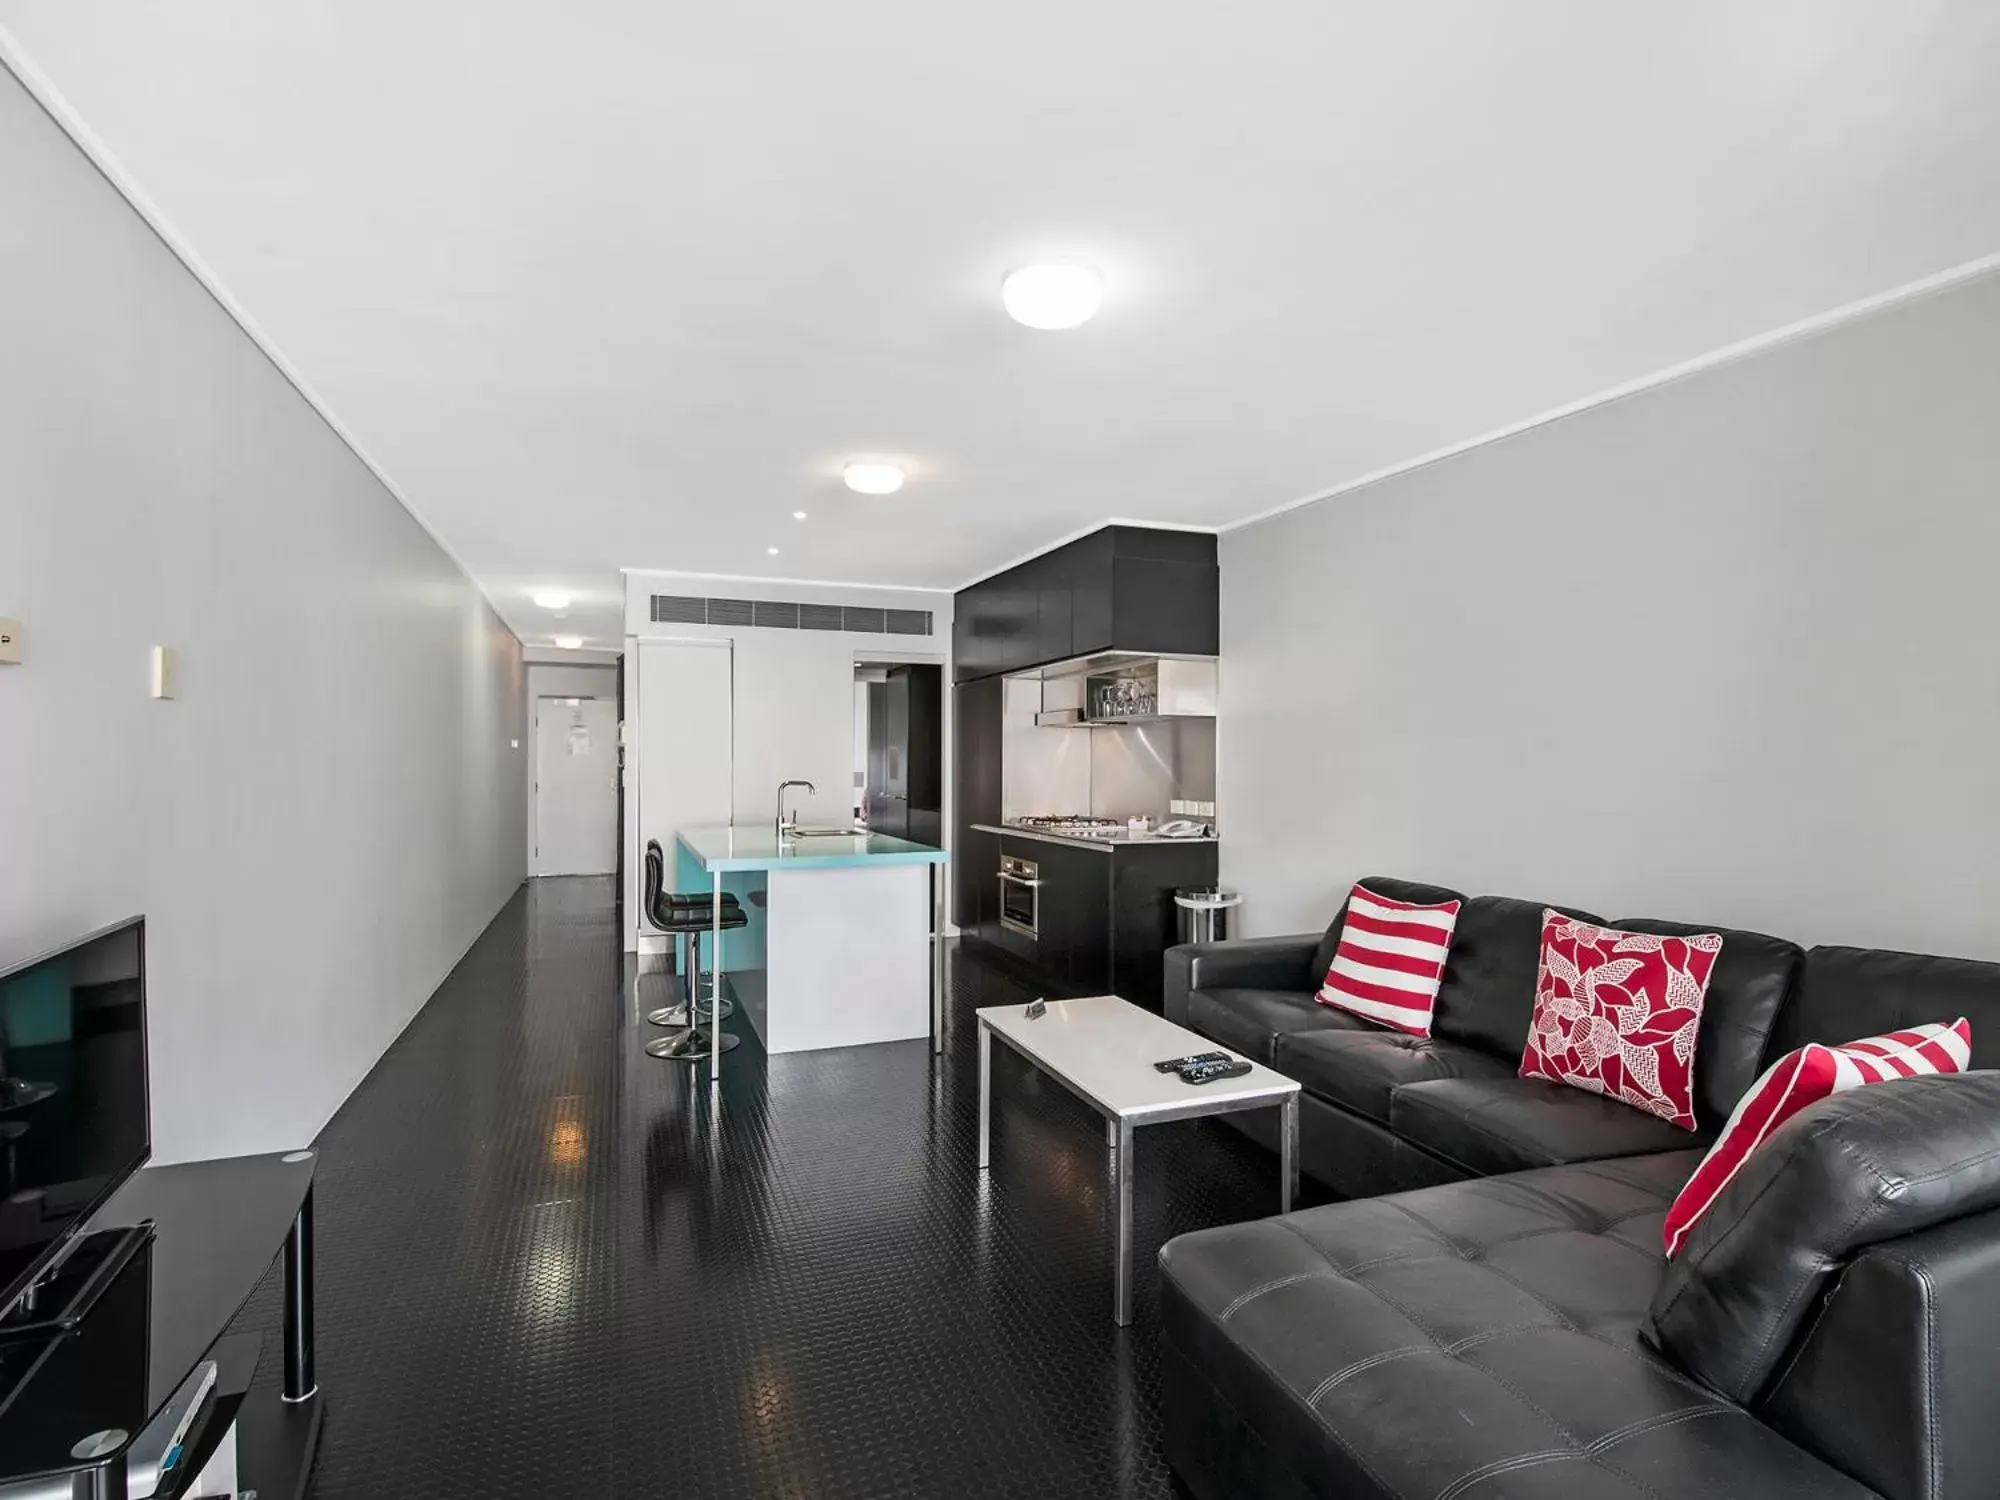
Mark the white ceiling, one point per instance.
(617, 284)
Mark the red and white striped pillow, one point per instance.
(1803, 1077)
(1390, 961)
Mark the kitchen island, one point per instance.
(839, 947)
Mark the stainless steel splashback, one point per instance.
(1139, 768)
(1110, 771)
(1041, 770)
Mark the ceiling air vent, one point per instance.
(674, 609)
(785, 614)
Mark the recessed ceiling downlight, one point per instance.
(1052, 296)
(873, 479)
(550, 599)
(570, 642)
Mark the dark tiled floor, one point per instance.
(548, 1267)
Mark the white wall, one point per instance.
(794, 694)
(330, 812)
(1724, 650)
(571, 682)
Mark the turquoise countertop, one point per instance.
(719, 849)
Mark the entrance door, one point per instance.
(576, 786)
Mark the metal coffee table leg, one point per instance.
(985, 1096)
(1288, 1156)
(1121, 1189)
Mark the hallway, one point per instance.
(547, 1270)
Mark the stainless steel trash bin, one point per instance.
(1203, 913)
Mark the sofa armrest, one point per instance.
(1273, 963)
(1893, 1378)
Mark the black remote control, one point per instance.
(1208, 1072)
(1175, 1064)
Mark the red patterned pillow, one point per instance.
(1803, 1077)
(1617, 1013)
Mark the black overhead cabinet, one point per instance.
(1125, 588)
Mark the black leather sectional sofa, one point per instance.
(1493, 1316)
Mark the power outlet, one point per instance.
(10, 643)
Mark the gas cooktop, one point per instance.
(1079, 825)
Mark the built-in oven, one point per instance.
(1020, 896)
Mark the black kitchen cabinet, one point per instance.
(1170, 606)
(1106, 914)
(1123, 588)
(1144, 920)
(978, 880)
(1089, 565)
(976, 753)
(1074, 944)
(1055, 631)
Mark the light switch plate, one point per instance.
(166, 671)
(10, 643)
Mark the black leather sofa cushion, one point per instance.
(1753, 977)
(1488, 994)
(1250, 1021)
(1849, 1171)
(1381, 885)
(1894, 1380)
(1476, 1340)
(1511, 1124)
(1849, 993)
(1270, 963)
(1359, 1068)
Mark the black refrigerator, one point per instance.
(905, 781)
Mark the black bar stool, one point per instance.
(685, 962)
(687, 917)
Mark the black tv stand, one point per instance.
(191, 1243)
(59, 1301)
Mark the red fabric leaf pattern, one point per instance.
(1619, 1013)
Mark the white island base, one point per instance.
(846, 959)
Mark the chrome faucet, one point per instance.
(788, 824)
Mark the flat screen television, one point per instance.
(75, 1121)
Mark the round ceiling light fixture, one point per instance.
(550, 599)
(798, 515)
(770, 551)
(1052, 296)
(873, 479)
(570, 642)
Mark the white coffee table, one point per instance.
(1103, 1050)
